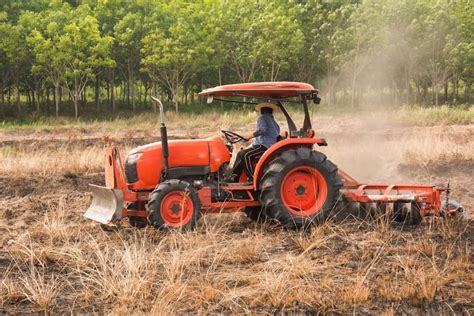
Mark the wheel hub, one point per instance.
(304, 190)
(175, 208)
(300, 190)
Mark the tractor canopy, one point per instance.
(277, 90)
(270, 91)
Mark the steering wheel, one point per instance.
(233, 137)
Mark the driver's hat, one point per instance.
(272, 106)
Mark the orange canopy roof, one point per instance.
(262, 89)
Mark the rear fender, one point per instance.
(279, 147)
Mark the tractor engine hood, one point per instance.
(144, 165)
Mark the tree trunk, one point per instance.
(145, 94)
(455, 90)
(9, 96)
(123, 91)
(2, 101)
(155, 93)
(132, 96)
(200, 89)
(18, 105)
(220, 83)
(408, 87)
(28, 99)
(97, 93)
(174, 95)
(36, 102)
(2, 95)
(112, 95)
(75, 98)
(47, 100)
(416, 94)
(467, 91)
(127, 91)
(186, 91)
(131, 87)
(354, 82)
(108, 93)
(446, 92)
(139, 93)
(56, 99)
(82, 96)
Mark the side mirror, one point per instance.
(210, 98)
(316, 99)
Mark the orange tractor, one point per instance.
(168, 184)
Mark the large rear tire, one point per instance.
(174, 204)
(299, 187)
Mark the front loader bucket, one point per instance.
(106, 204)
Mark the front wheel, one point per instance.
(299, 187)
(174, 204)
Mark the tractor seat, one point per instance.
(283, 135)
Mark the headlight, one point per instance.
(133, 158)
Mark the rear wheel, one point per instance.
(299, 187)
(174, 204)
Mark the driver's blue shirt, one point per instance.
(267, 130)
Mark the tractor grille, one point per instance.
(131, 172)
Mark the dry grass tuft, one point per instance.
(40, 287)
(245, 251)
(356, 293)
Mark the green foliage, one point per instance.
(120, 52)
(443, 115)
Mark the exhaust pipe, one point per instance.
(164, 136)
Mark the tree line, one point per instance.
(60, 56)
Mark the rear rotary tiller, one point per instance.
(169, 184)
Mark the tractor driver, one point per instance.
(267, 134)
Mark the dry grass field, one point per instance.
(54, 261)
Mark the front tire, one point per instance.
(174, 204)
(299, 187)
